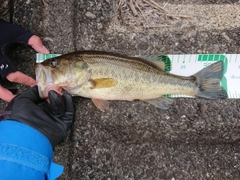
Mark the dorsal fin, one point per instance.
(162, 61)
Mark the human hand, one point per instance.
(52, 119)
(36, 43)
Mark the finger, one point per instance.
(5, 94)
(21, 78)
(37, 44)
(44, 50)
(40, 49)
(56, 103)
(69, 107)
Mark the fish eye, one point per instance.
(53, 63)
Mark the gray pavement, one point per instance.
(194, 139)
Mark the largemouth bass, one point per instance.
(104, 76)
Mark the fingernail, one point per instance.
(45, 50)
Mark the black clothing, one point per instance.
(10, 33)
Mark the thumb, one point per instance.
(37, 44)
(40, 49)
(57, 105)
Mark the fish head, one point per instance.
(60, 73)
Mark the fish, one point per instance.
(105, 76)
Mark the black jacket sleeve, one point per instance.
(10, 33)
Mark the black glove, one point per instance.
(53, 120)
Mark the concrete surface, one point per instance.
(194, 139)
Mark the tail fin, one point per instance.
(208, 81)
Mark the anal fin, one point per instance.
(101, 104)
(162, 103)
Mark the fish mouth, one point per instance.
(45, 81)
(38, 69)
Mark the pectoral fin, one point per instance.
(101, 104)
(162, 103)
(104, 83)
